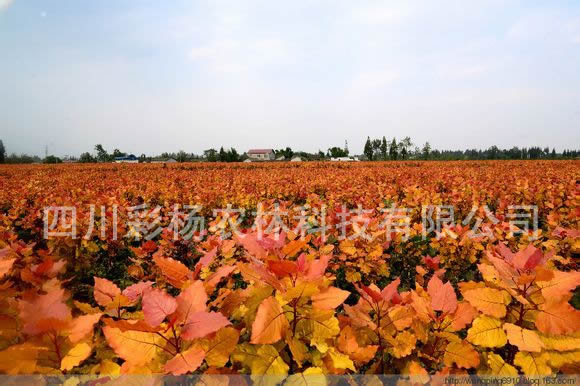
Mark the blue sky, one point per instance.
(154, 76)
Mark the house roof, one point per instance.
(260, 151)
(127, 157)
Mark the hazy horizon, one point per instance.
(152, 77)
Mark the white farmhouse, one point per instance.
(261, 154)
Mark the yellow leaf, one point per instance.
(19, 359)
(560, 343)
(270, 324)
(353, 276)
(303, 290)
(558, 359)
(489, 301)
(86, 308)
(533, 364)
(313, 376)
(340, 361)
(106, 367)
(462, 354)
(268, 362)
(75, 356)
(347, 247)
(323, 326)
(498, 366)
(525, 340)
(298, 349)
(401, 316)
(486, 332)
(219, 348)
(403, 344)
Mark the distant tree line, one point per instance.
(381, 149)
(374, 150)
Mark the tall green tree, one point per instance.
(336, 152)
(2, 152)
(181, 156)
(426, 150)
(405, 145)
(384, 148)
(394, 150)
(102, 155)
(118, 153)
(376, 148)
(210, 155)
(86, 157)
(368, 150)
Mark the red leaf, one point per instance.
(443, 296)
(44, 312)
(282, 268)
(390, 293)
(135, 291)
(200, 324)
(208, 257)
(157, 305)
(105, 291)
(190, 300)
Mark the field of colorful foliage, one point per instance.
(419, 268)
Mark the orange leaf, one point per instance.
(105, 291)
(330, 298)
(44, 312)
(282, 268)
(175, 272)
(212, 281)
(270, 324)
(462, 354)
(6, 265)
(136, 347)
(185, 362)
(443, 296)
(463, 316)
(560, 284)
(293, 247)
(83, 326)
(557, 316)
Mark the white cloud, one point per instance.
(375, 79)
(5, 4)
(465, 71)
(232, 56)
(393, 13)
